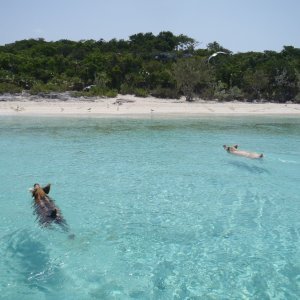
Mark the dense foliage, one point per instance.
(165, 65)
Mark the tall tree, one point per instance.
(192, 73)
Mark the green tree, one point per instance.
(255, 83)
(192, 75)
(215, 47)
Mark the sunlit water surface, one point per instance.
(158, 208)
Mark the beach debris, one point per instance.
(120, 101)
(17, 108)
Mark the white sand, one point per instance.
(133, 106)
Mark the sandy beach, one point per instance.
(127, 105)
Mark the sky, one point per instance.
(238, 25)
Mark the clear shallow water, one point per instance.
(159, 209)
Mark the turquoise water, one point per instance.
(158, 208)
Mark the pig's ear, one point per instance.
(46, 188)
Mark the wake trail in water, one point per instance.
(289, 161)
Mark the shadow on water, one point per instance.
(254, 169)
(26, 263)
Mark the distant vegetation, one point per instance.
(166, 66)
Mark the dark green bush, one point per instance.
(9, 88)
(139, 92)
(161, 92)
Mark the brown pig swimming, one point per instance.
(45, 209)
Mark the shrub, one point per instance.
(39, 87)
(97, 92)
(111, 93)
(141, 92)
(9, 88)
(161, 92)
(297, 98)
(126, 89)
(235, 93)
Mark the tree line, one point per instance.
(163, 65)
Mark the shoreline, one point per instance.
(131, 106)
